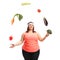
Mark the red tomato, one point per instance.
(38, 10)
(10, 38)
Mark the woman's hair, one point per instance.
(28, 27)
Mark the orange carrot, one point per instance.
(12, 21)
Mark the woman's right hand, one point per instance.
(12, 46)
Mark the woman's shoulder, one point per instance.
(37, 33)
(23, 34)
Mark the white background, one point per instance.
(50, 48)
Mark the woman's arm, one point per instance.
(42, 39)
(19, 42)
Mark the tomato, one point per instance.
(10, 38)
(38, 10)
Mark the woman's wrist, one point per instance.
(46, 36)
(13, 44)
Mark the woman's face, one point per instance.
(30, 25)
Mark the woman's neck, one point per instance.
(30, 31)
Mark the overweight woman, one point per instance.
(30, 48)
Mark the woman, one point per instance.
(30, 48)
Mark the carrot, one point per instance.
(12, 21)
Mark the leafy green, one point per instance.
(19, 16)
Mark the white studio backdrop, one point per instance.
(50, 48)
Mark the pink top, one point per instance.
(30, 42)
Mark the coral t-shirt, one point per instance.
(30, 42)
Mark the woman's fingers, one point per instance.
(12, 45)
